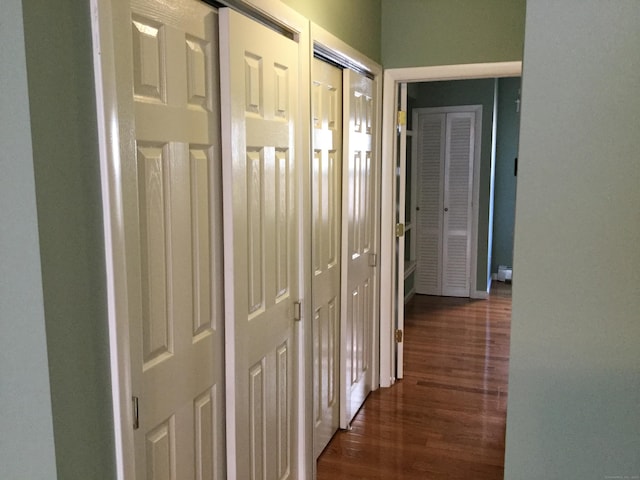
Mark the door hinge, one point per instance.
(399, 229)
(399, 336)
(402, 118)
(373, 260)
(136, 417)
(297, 311)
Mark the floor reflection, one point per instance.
(446, 418)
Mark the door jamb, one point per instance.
(392, 78)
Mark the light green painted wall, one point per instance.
(505, 183)
(65, 152)
(468, 92)
(574, 382)
(445, 32)
(356, 22)
(26, 430)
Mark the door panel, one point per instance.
(259, 85)
(458, 181)
(173, 226)
(360, 192)
(326, 237)
(431, 129)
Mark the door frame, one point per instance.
(392, 78)
(113, 115)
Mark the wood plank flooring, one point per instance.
(446, 418)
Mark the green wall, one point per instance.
(505, 183)
(65, 152)
(574, 381)
(356, 22)
(445, 32)
(26, 430)
(468, 92)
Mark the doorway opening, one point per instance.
(392, 266)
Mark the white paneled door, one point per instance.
(173, 229)
(326, 96)
(259, 82)
(446, 150)
(360, 201)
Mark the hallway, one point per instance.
(446, 418)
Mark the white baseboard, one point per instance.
(479, 295)
(482, 294)
(409, 295)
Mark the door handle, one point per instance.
(446, 209)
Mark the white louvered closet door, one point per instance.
(431, 150)
(444, 217)
(458, 185)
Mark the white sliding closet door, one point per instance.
(446, 151)
(326, 97)
(173, 229)
(259, 78)
(360, 194)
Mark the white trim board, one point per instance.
(393, 77)
(319, 36)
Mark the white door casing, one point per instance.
(392, 77)
(259, 81)
(401, 219)
(446, 147)
(359, 221)
(173, 232)
(326, 100)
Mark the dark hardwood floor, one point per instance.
(446, 418)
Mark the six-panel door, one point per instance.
(173, 229)
(359, 201)
(260, 122)
(326, 186)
